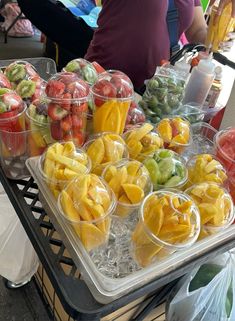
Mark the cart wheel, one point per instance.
(12, 286)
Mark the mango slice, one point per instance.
(133, 192)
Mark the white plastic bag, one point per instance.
(212, 302)
(18, 260)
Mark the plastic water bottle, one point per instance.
(200, 82)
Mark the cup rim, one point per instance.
(154, 238)
(110, 210)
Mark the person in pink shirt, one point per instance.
(132, 35)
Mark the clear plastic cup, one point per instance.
(87, 204)
(104, 149)
(224, 144)
(68, 106)
(206, 168)
(61, 163)
(112, 95)
(167, 170)
(20, 70)
(38, 125)
(83, 69)
(169, 221)
(176, 133)
(191, 112)
(142, 142)
(215, 206)
(130, 182)
(164, 93)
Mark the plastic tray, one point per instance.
(103, 288)
(46, 67)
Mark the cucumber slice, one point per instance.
(153, 169)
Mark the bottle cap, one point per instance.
(207, 66)
(218, 72)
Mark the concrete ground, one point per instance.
(23, 304)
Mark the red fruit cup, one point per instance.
(112, 95)
(68, 106)
(13, 142)
(224, 144)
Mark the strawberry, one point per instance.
(55, 89)
(66, 102)
(78, 90)
(4, 82)
(30, 70)
(56, 131)
(79, 108)
(175, 131)
(66, 123)
(123, 87)
(79, 139)
(98, 67)
(12, 100)
(55, 112)
(76, 122)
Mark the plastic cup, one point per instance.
(224, 144)
(68, 106)
(83, 69)
(130, 182)
(38, 125)
(167, 169)
(85, 216)
(112, 95)
(191, 112)
(166, 230)
(216, 211)
(53, 171)
(103, 152)
(199, 170)
(176, 133)
(150, 142)
(20, 70)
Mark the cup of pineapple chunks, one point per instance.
(130, 182)
(215, 207)
(169, 221)
(87, 204)
(61, 163)
(104, 149)
(205, 168)
(142, 142)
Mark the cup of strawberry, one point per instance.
(68, 97)
(112, 95)
(12, 124)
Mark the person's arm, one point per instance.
(196, 33)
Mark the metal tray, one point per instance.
(103, 288)
(46, 67)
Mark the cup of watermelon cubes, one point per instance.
(38, 127)
(169, 221)
(112, 95)
(224, 144)
(13, 142)
(68, 97)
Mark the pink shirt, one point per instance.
(133, 36)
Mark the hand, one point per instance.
(222, 4)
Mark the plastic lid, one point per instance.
(207, 66)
